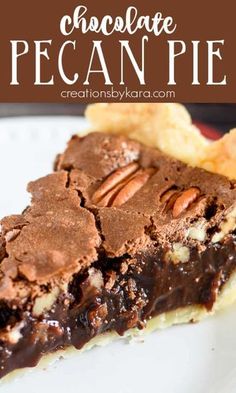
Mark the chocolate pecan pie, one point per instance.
(118, 235)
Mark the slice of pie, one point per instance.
(120, 234)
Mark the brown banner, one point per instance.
(70, 51)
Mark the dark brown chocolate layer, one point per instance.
(118, 234)
(133, 291)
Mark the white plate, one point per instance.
(198, 358)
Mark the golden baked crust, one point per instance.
(220, 156)
(167, 126)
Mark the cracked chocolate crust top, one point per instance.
(117, 234)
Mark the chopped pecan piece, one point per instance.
(97, 315)
(111, 280)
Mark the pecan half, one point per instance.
(121, 185)
(184, 200)
(128, 191)
(107, 199)
(113, 180)
(169, 197)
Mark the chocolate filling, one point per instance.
(132, 291)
